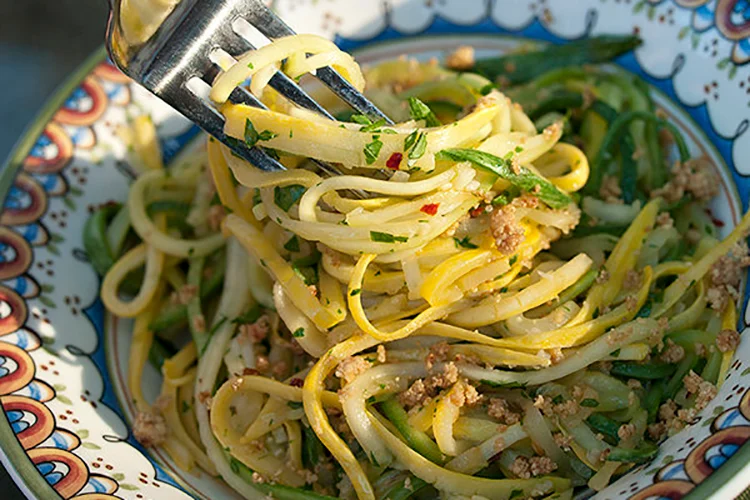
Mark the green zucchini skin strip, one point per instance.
(416, 439)
(522, 67)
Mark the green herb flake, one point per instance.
(513, 260)
(355, 292)
(589, 403)
(464, 243)
(286, 196)
(421, 111)
(557, 399)
(252, 136)
(615, 353)
(387, 237)
(292, 245)
(372, 150)
(299, 332)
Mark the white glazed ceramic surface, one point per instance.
(63, 361)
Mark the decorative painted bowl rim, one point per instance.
(26, 463)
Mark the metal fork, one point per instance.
(179, 51)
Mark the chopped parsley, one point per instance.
(292, 245)
(557, 399)
(252, 136)
(421, 111)
(464, 243)
(513, 260)
(287, 196)
(416, 145)
(589, 403)
(299, 332)
(355, 292)
(373, 127)
(372, 150)
(387, 237)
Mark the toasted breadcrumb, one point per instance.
(673, 353)
(632, 280)
(727, 340)
(255, 332)
(438, 353)
(505, 229)
(149, 428)
(199, 323)
(626, 431)
(461, 59)
(610, 190)
(525, 468)
(422, 390)
(664, 219)
(381, 354)
(350, 368)
(216, 215)
(563, 441)
(695, 177)
(725, 276)
(186, 293)
(500, 410)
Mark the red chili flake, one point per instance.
(430, 208)
(717, 222)
(296, 382)
(394, 161)
(476, 212)
(250, 371)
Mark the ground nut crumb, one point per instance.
(725, 276)
(186, 293)
(464, 394)
(664, 219)
(525, 468)
(199, 323)
(634, 384)
(350, 368)
(505, 229)
(461, 59)
(149, 428)
(555, 355)
(258, 478)
(549, 408)
(216, 215)
(704, 391)
(695, 176)
(562, 441)
(632, 280)
(415, 395)
(673, 353)
(446, 378)
(603, 276)
(255, 332)
(692, 381)
(262, 363)
(438, 352)
(500, 410)
(382, 357)
(423, 389)
(626, 431)
(727, 340)
(610, 190)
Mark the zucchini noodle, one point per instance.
(450, 318)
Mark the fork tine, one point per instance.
(237, 46)
(241, 95)
(273, 27)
